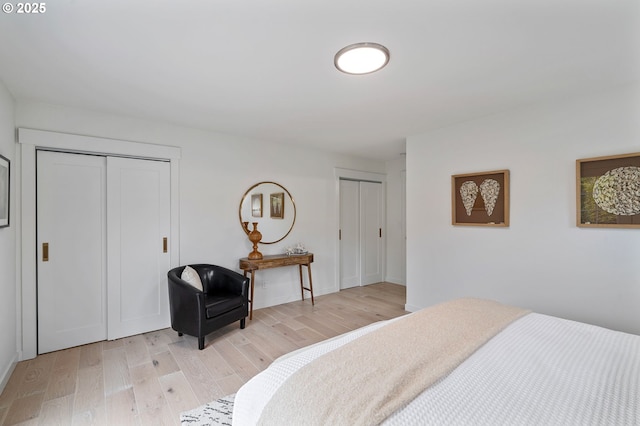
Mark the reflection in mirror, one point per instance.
(272, 207)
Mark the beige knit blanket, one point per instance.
(366, 380)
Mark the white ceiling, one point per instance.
(264, 68)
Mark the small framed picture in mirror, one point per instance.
(277, 205)
(256, 205)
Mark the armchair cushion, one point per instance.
(221, 303)
(191, 276)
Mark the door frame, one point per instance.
(30, 141)
(340, 173)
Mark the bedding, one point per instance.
(525, 368)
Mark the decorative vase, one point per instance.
(255, 236)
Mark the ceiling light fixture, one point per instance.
(361, 58)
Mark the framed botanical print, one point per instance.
(480, 199)
(608, 191)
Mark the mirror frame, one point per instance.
(293, 203)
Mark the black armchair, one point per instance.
(224, 299)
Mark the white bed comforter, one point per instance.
(540, 370)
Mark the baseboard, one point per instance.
(281, 300)
(411, 308)
(6, 374)
(395, 280)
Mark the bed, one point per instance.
(467, 361)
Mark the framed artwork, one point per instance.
(4, 191)
(277, 205)
(480, 199)
(256, 205)
(608, 191)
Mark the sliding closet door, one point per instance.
(361, 238)
(371, 245)
(71, 250)
(349, 234)
(138, 223)
(102, 253)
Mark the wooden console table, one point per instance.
(276, 261)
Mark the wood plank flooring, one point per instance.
(149, 379)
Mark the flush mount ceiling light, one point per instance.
(361, 58)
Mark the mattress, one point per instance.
(538, 370)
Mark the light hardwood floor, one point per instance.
(149, 379)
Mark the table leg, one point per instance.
(301, 282)
(251, 292)
(302, 287)
(310, 284)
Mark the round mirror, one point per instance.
(272, 207)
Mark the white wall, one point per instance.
(215, 172)
(395, 226)
(8, 301)
(542, 261)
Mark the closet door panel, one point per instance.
(349, 234)
(71, 273)
(138, 221)
(371, 204)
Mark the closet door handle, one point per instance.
(45, 252)
(164, 245)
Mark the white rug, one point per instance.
(217, 412)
